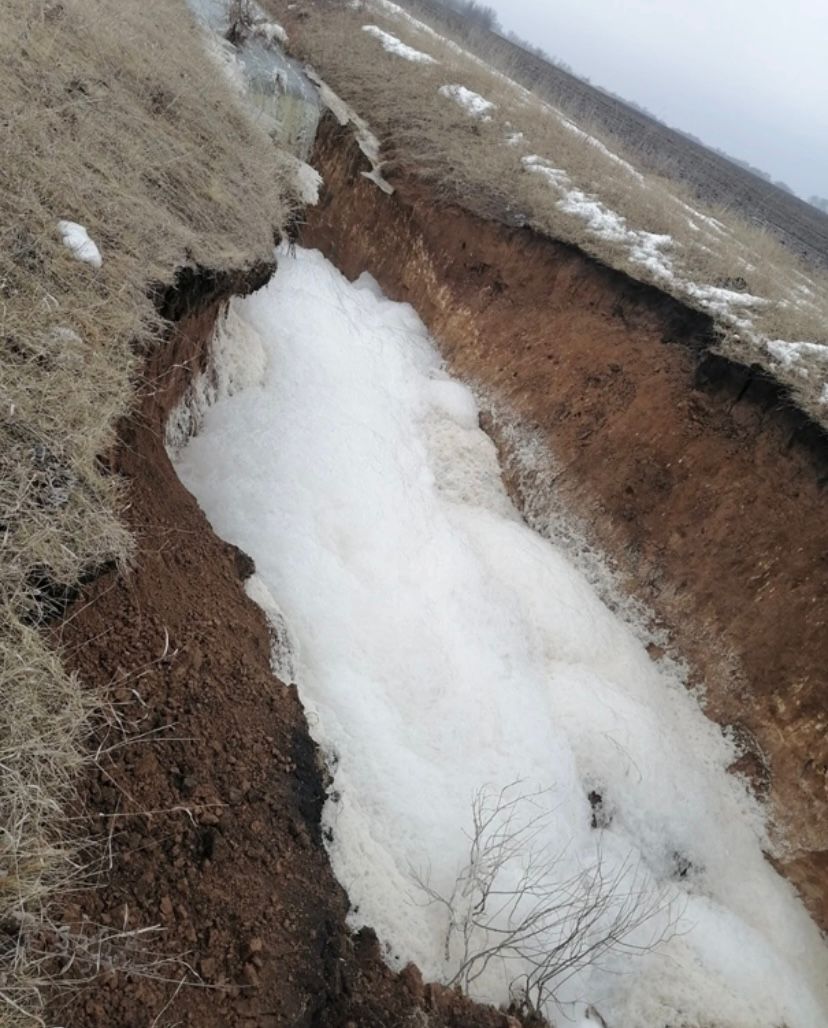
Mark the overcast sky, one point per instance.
(748, 76)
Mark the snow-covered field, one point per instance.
(441, 647)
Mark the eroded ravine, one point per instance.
(697, 479)
(667, 469)
(443, 648)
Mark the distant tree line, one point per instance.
(736, 160)
(820, 202)
(484, 17)
(481, 16)
(544, 55)
(477, 14)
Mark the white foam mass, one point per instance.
(441, 646)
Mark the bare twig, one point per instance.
(515, 904)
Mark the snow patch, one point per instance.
(65, 336)
(397, 47)
(282, 646)
(790, 354)
(723, 302)
(697, 217)
(306, 179)
(473, 103)
(367, 282)
(238, 361)
(388, 8)
(644, 248)
(76, 239)
(540, 166)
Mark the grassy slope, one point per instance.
(111, 117)
(664, 150)
(468, 160)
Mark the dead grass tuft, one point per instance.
(112, 118)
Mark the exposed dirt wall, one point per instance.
(697, 478)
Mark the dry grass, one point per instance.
(111, 117)
(467, 160)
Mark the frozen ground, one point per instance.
(440, 646)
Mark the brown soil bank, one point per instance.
(692, 473)
(208, 795)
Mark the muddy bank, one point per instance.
(691, 473)
(207, 800)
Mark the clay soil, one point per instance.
(695, 475)
(207, 803)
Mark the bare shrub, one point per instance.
(516, 905)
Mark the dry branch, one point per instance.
(517, 903)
